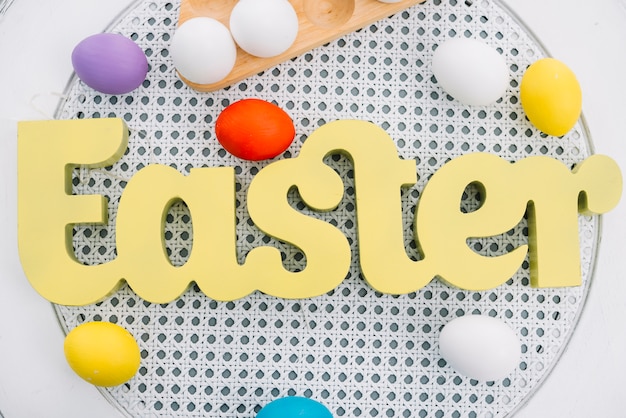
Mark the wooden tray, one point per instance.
(320, 21)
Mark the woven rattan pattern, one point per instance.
(359, 352)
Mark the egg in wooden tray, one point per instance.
(393, 210)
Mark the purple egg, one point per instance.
(110, 63)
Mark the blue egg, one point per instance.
(294, 407)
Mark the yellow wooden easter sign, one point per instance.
(547, 190)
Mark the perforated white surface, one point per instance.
(358, 352)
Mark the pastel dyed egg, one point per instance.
(470, 71)
(102, 353)
(110, 63)
(480, 347)
(203, 51)
(254, 129)
(294, 406)
(264, 28)
(551, 96)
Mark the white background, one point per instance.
(36, 40)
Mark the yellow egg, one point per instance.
(551, 96)
(102, 353)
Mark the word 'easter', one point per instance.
(543, 187)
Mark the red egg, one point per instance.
(254, 129)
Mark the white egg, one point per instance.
(264, 28)
(480, 347)
(470, 71)
(203, 51)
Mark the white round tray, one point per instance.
(355, 350)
